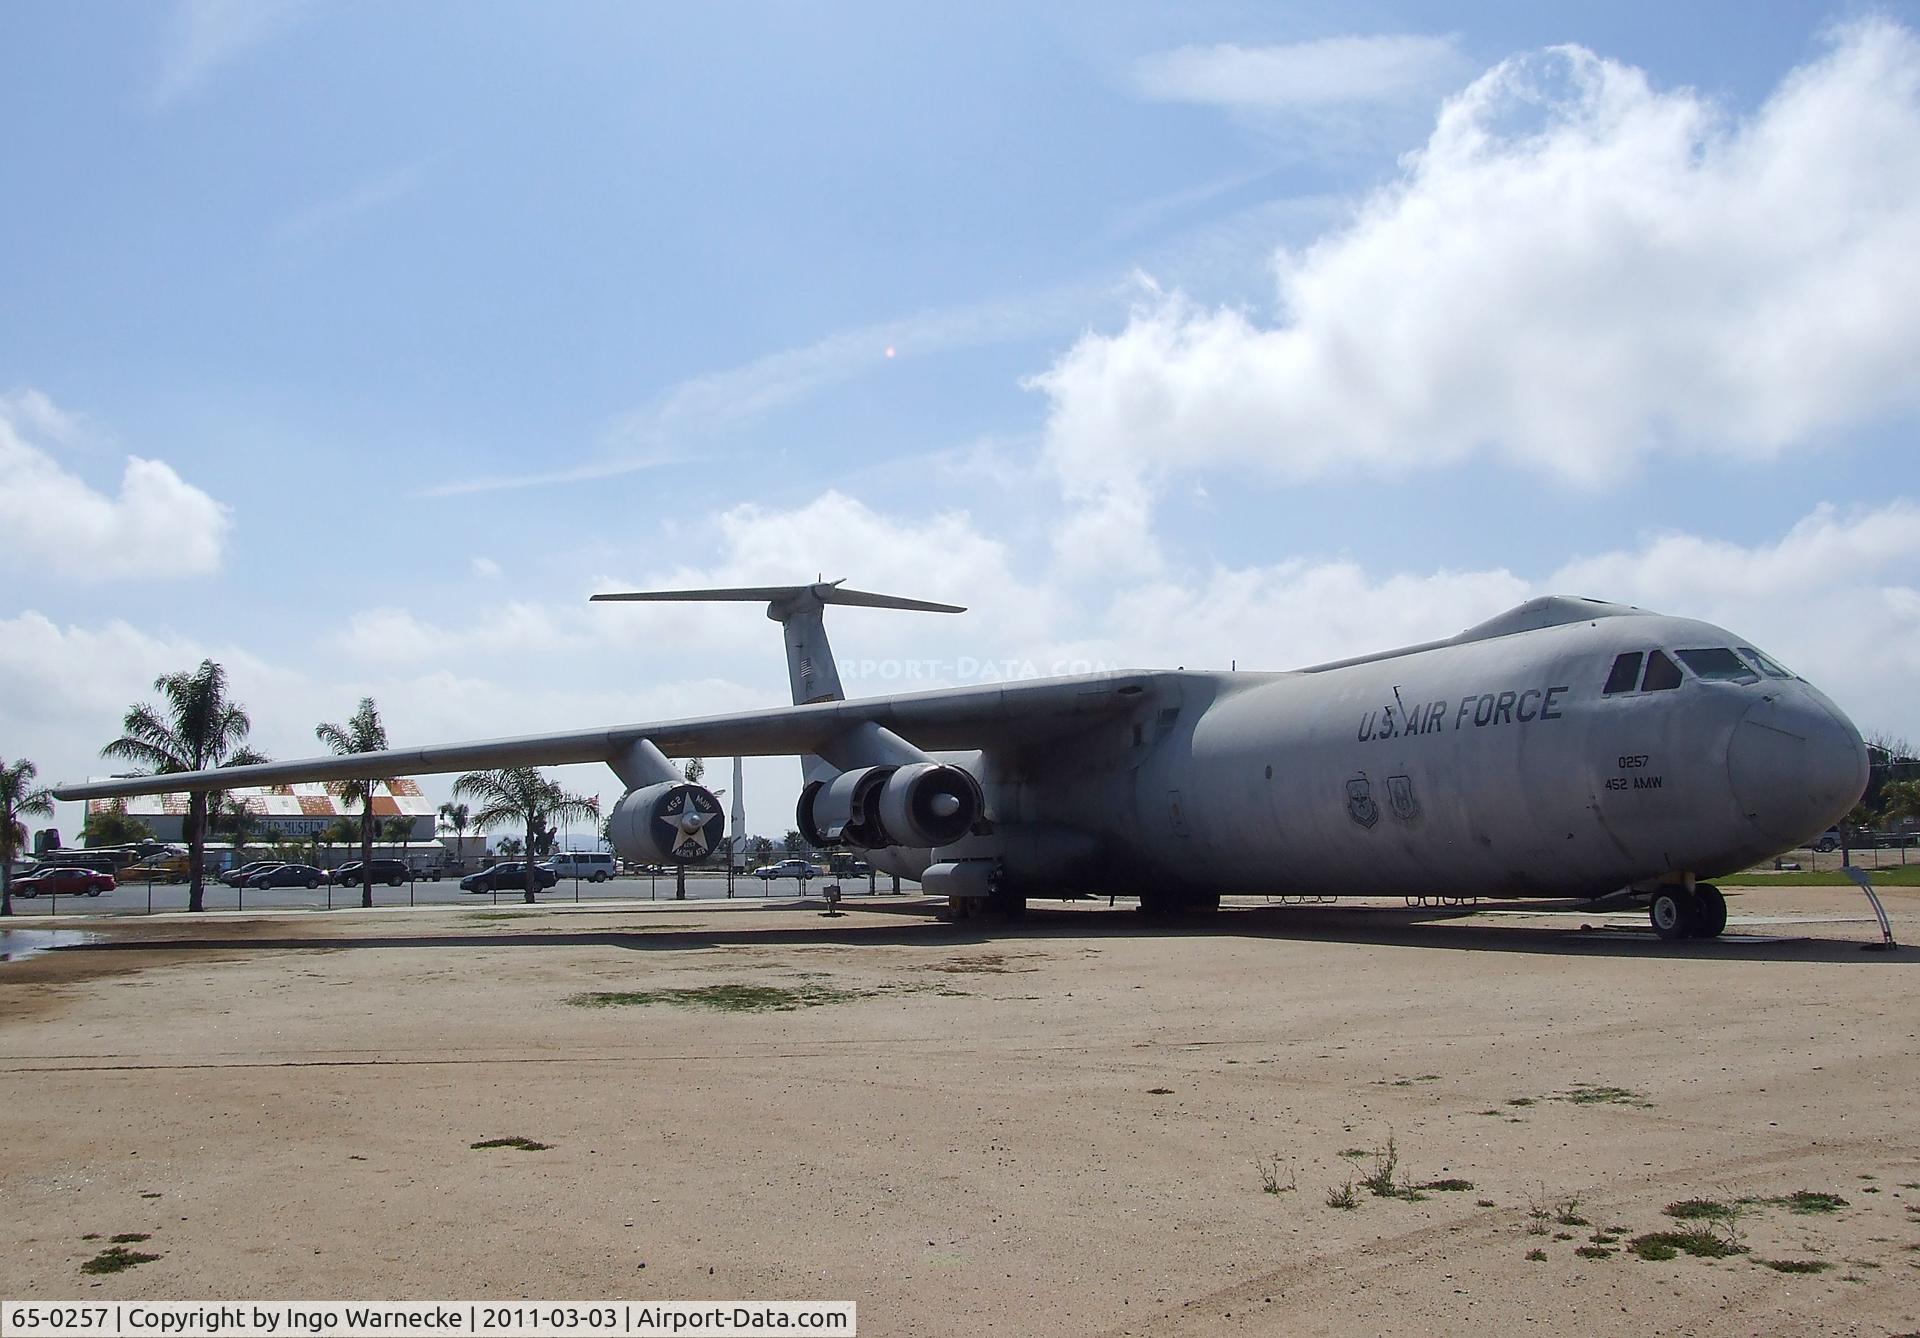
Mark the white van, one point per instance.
(594, 866)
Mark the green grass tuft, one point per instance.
(516, 1141)
(1696, 1241)
(116, 1259)
(1449, 1186)
(1584, 1094)
(1595, 1252)
(1537, 1256)
(1809, 1201)
(1796, 1265)
(130, 1237)
(1689, 1210)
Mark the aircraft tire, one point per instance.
(1007, 905)
(1673, 912)
(1710, 911)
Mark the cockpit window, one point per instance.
(1662, 673)
(1718, 665)
(1766, 664)
(1625, 673)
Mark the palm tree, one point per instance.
(239, 822)
(363, 734)
(459, 817)
(510, 845)
(339, 832)
(398, 832)
(522, 795)
(200, 729)
(19, 798)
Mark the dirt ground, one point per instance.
(1060, 1127)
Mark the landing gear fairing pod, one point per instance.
(669, 822)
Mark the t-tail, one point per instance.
(799, 609)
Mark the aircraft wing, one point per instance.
(1002, 715)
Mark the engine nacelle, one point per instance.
(845, 810)
(927, 804)
(921, 805)
(672, 821)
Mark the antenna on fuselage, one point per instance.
(797, 608)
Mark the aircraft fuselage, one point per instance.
(1493, 767)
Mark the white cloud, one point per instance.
(203, 35)
(701, 409)
(1576, 270)
(158, 526)
(1328, 72)
(487, 569)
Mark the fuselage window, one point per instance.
(1662, 673)
(1766, 664)
(1718, 665)
(1626, 673)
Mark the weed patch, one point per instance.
(1343, 1197)
(129, 1237)
(1448, 1186)
(1696, 1241)
(1537, 1256)
(516, 1142)
(1584, 1094)
(1595, 1252)
(1270, 1181)
(1689, 1210)
(1809, 1201)
(116, 1259)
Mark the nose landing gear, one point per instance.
(1678, 913)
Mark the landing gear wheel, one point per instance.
(1710, 911)
(1006, 905)
(1673, 913)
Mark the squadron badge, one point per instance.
(1400, 796)
(1360, 805)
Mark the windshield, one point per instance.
(1718, 664)
(1767, 665)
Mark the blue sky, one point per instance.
(1156, 335)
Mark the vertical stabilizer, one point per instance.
(799, 609)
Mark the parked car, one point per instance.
(1827, 840)
(508, 877)
(594, 866)
(392, 872)
(786, 868)
(64, 881)
(238, 877)
(288, 875)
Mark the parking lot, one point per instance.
(154, 898)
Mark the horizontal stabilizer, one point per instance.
(826, 592)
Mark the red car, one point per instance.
(70, 881)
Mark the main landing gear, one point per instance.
(1678, 913)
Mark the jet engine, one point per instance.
(920, 805)
(670, 821)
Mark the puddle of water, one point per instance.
(16, 945)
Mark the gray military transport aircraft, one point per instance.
(1568, 748)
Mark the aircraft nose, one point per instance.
(1797, 766)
